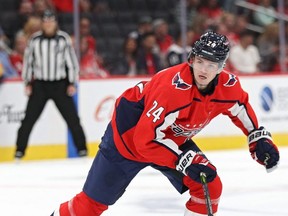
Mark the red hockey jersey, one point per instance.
(152, 119)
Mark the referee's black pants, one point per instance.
(42, 91)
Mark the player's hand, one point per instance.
(192, 164)
(71, 90)
(262, 148)
(28, 90)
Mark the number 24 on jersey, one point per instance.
(155, 111)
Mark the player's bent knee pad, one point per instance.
(197, 203)
(81, 205)
(215, 188)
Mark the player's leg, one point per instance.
(195, 206)
(109, 176)
(67, 108)
(116, 172)
(34, 108)
(80, 205)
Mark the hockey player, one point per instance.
(153, 123)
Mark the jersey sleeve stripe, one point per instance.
(240, 111)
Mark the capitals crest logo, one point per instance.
(179, 130)
(179, 82)
(232, 80)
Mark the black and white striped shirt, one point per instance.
(50, 59)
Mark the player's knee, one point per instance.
(81, 205)
(215, 191)
(215, 188)
(196, 203)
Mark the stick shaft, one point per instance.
(206, 194)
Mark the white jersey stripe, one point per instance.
(169, 120)
(242, 115)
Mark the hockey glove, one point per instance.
(262, 148)
(192, 164)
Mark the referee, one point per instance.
(50, 72)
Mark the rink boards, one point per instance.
(96, 97)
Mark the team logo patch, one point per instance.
(179, 82)
(179, 130)
(232, 80)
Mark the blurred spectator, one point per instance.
(278, 64)
(240, 25)
(126, 62)
(89, 64)
(268, 45)
(25, 8)
(227, 27)
(16, 57)
(200, 26)
(147, 60)
(85, 31)
(212, 10)
(285, 8)
(66, 6)
(192, 7)
(176, 51)
(163, 39)
(266, 14)
(229, 5)
(4, 42)
(100, 6)
(244, 56)
(85, 6)
(6, 69)
(32, 25)
(144, 26)
(40, 6)
(253, 1)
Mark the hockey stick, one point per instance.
(206, 194)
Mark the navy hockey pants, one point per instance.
(111, 173)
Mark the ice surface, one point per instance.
(36, 188)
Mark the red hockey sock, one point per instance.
(197, 201)
(82, 205)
